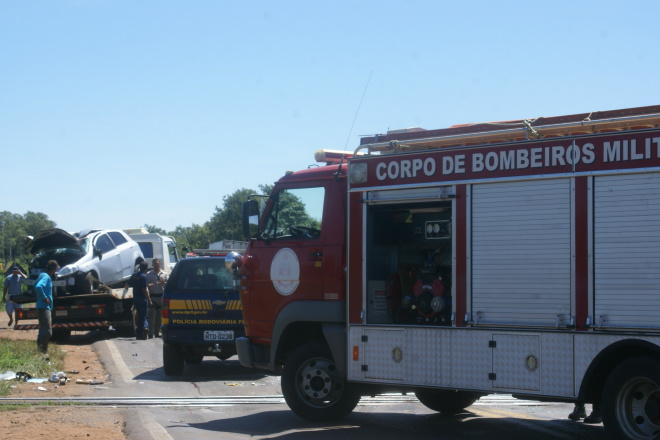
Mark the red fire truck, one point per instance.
(518, 257)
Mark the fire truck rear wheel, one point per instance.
(172, 360)
(313, 388)
(446, 401)
(631, 400)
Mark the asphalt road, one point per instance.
(222, 399)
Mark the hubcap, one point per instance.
(317, 382)
(638, 409)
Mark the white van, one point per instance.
(155, 245)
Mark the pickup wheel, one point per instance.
(446, 401)
(631, 400)
(172, 360)
(312, 387)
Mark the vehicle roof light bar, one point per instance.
(331, 156)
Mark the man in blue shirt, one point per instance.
(44, 290)
(13, 286)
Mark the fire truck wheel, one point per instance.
(312, 387)
(446, 401)
(172, 360)
(631, 400)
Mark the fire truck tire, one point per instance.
(631, 400)
(312, 387)
(446, 401)
(172, 360)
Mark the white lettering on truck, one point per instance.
(624, 150)
(405, 169)
(551, 156)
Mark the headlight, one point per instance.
(67, 270)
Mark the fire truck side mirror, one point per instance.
(250, 218)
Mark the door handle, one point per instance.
(315, 254)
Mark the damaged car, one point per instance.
(87, 259)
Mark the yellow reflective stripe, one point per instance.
(178, 304)
(202, 304)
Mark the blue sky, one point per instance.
(115, 114)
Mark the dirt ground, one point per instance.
(62, 422)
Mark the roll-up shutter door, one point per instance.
(521, 253)
(627, 250)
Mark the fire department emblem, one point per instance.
(285, 271)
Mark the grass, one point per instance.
(23, 356)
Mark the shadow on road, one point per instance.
(89, 337)
(397, 425)
(209, 370)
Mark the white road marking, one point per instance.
(124, 372)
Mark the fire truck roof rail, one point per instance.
(509, 131)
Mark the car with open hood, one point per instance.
(87, 258)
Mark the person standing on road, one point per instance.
(579, 412)
(44, 290)
(13, 285)
(156, 280)
(141, 300)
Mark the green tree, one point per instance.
(192, 237)
(37, 221)
(14, 232)
(292, 211)
(226, 222)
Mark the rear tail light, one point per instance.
(165, 309)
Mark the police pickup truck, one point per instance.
(201, 311)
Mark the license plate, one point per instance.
(218, 335)
(61, 313)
